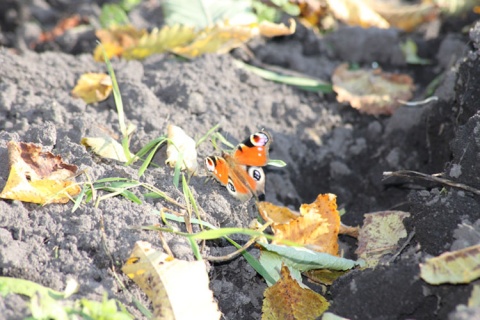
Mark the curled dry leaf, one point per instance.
(180, 143)
(105, 147)
(115, 40)
(371, 91)
(38, 177)
(317, 226)
(93, 87)
(178, 289)
(380, 234)
(286, 299)
(461, 266)
(278, 215)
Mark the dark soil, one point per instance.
(329, 148)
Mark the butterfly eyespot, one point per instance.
(210, 164)
(256, 173)
(259, 139)
(231, 187)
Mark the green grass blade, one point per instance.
(307, 84)
(205, 137)
(176, 173)
(78, 200)
(148, 160)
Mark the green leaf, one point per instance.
(304, 259)
(461, 266)
(272, 263)
(276, 163)
(113, 15)
(26, 288)
(306, 84)
(205, 13)
(128, 5)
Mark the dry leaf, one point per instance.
(280, 215)
(317, 226)
(380, 234)
(287, 300)
(383, 14)
(38, 177)
(105, 147)
(115, 40)
(461, 266)
(93, 87)
(181, 145)
(270, 29)
(60, 28)
(371, 91)
(324, 276)
(355, 12)
(178, 289)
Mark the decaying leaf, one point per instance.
(178, 289)
(317, 226)
(383, 14)
(116, 39)
(287, 300)
(38, 177)
(371, 91)
(105, 147)
(279, 215)
(93, 87)
(324, 276)
(131, 43)
(380, 234)
(461, 266)
(180, 145)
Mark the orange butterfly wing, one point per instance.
(254, 150)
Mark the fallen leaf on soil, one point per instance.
(62, 26)
(180, 145)
(105, 147)
(474, 300)
(461, 266)
(115, 40)
(279, 215)
(131, 43)
(38, 177)
(371, 91)
(324, 276)
(224, 37)
(317, 226)
(380, 234)
(178, 289)
(381, 14)
(287, 300)
(93, 87)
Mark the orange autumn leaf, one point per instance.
(116, 39)
(371, 91)
(61, 27)
(93, 87)
(38, 177)
(280, 215)
(287, 300)
(317, 226)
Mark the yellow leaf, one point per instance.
(38, 177)
(287, 300)
(178, 289)
(93, 87)
(270, 29)
(371, 91)
(354, 12)
(105, 147)
(317, 226)
(380, 234)
(181, 144)
(160, 40)
(461, 266)
(116, 39)
(280, 215)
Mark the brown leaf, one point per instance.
(287, 300)
(62, 26)
(371, 91)
(38, 177)
(317, 226)
(116, 39)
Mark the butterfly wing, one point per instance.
(254, 150)
(218, 167)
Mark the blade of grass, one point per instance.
(176, 173)
(146, 149)
(307, 84)
(79, 198)
(195, 249)
(205, 137)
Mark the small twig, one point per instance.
(433, 178)
(404, 245)
(233, 254)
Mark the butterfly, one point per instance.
(240, 172)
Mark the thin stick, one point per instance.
(415, 174)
